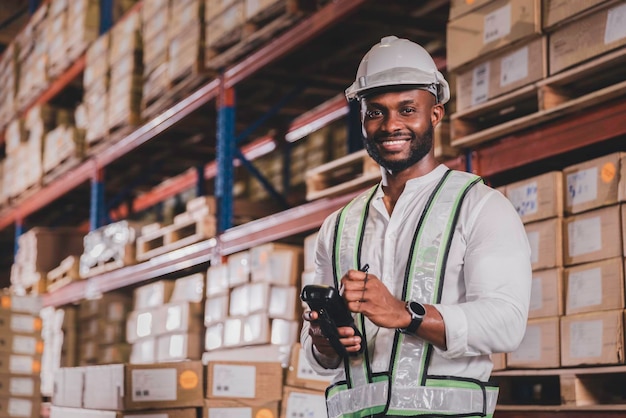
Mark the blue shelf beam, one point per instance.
(97, 214)
(224, 180)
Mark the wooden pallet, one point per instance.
(61, 168)
(592, 388)
(66, 273)
(175, 236)
(563, 94)
(349, 173)
(180, 88)
(259, 30)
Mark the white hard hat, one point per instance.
(398, 62)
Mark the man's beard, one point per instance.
(420, 147)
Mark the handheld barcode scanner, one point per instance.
(333, 313)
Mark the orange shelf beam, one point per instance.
(590, 127)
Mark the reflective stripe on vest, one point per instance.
(406, 389)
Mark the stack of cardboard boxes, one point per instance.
(577, 304)
(166, 322)
(21, 349)
(503, 54)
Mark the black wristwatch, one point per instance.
(417, 312)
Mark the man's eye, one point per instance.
(372, 113)
(408, 110)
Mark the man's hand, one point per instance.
(351, 342)
(365, 293)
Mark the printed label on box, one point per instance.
(497, 24)
(514, 67)
(586, 339)
(615, 24)
(22, 323)
(524, 199)
(306, 405)
(230, 412)
(585, 288)
(530, 347)
(533, 240)
(20, 407)
(582, 186)
(585, 236)
(22, 386)
(24, 345)
(154, 385)
(536, 294)
(305, 371)
(21, 364)
(480, 84)
(234, 381)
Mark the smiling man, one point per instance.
(449, 263)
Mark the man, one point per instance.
(449, 262)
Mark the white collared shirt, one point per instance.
(486, 287)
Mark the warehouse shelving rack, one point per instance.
(601, 125)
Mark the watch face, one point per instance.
(417, 308)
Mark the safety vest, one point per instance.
(406, 389)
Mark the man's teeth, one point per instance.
(393, 142)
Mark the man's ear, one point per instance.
(437, 114)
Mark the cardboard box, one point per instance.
(242, 408)
(17, 407)
(30, 345)
(537, 198)
(217, 280)
(179, 317)
(244, 380)
(285, 332)
(460, 7)
(179, 346)
(540, 346)
(586, 38)
(499, 361)
(597, 286)
(189, 289)
(275, 263)
(546, 243)
(238, 268)
(143, 323)
(19, 364)
(111, 307)
(592, 338)
(301, 374)
(595, 183)
(62, 412)
(309, 252)
(21, 386)
(490, 28)
(504, 72)
(153, 294)
(546, 296)
(298, 402)
(215, 309)
(19, 323)
(68, 387)
(593, 236)
(560, 11)
(214, 336)
(144, 351)
(150, 386)
(27, 304)
(285, 303)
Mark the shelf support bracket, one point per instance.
(261, 178)
(97, 214)
(224, 179)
